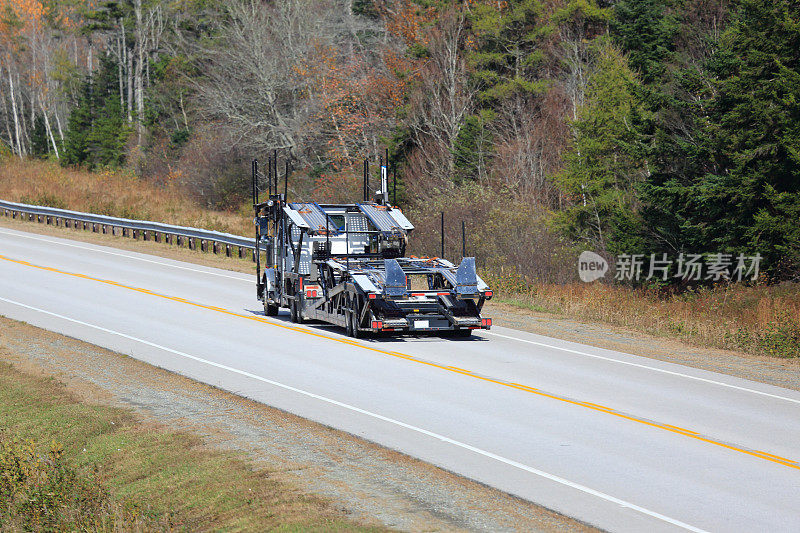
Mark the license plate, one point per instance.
(422, 324)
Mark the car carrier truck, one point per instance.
(345, 264)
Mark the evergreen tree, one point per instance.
(604, 166)
(744, 196)
(365, 8)
(507, 55)
(472, 147)
(645, 30)
(756, 190)
(97, 130)
(79, 125)
(109, 135)
(679, 94)
(40, 144)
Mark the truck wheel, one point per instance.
(349, 323)
(352, 326)
(270, 309)
(354, 321)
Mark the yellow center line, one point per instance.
(344, 340)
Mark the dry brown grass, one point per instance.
(112, 193)
(760, 319)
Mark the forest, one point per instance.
(655, 127)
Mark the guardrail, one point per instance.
(245, 246)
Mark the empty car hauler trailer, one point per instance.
(344, 264)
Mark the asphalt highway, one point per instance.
(622, 442)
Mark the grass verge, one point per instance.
(69, 466)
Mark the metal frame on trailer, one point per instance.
(345, 264)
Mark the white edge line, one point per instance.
(404, 425)
(14, 233)
(653, 368)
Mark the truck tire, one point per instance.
(348, 320)
(354, 314)
(352, 326)
(270, 309)
(294, 309)
(350, 313)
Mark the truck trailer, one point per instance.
(346, 265)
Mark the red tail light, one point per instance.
(372, 296)
(313, 291)
(377, 324)
(486, 322)
(488, 294)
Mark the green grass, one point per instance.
(98, 468)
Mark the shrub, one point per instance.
(47, 199)
(510, 238)
(41, 491)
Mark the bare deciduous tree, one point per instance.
(253, 83)
(445, 98)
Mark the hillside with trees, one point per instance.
(550, 126)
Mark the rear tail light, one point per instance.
(313, 291)
(486, 322)
(372, 296)
(377, 324)
(488, 294)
